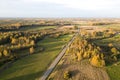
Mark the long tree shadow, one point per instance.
(33, 76)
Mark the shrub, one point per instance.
(67, 75)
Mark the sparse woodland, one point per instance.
(12, 42)
(83, 49)
(13, 39)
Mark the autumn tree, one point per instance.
(97, 61)
(6, 53)
(114, 50)
(86, 55)
(14, 41)
(79, 56)
(32, 42)
(67, 75)
(110, 45)
(115, 58)
(115, 54)
(32, 50)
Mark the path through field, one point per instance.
(55, 62)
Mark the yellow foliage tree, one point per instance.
(96, 61)
(32, 50)
(110, 45)
(67, 75)
(79, 56)
(32, 42)
(85, 55)
(6, 53)
(14, 41)
(114, 50)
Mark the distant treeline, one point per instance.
(12, 25)
(102, 23)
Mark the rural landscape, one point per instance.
(59, 49)
(59, 40)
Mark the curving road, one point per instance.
(55, 62)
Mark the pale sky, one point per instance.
(60, 8)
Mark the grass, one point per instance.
(114, 72)
(112, 26)
(114, 40)
(33, 66)
(36, 28)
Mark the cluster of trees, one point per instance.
(16, 41)
(58, 34)
(100, 23)
(4, 38)
(114, 52)
(5, 53)
(83, 49)
(16, 24)
(97, 34)
(12, 42)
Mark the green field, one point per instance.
(114, 71)
(36, 28)
(33, 66)
(114, 40)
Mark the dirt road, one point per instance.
(55, 62)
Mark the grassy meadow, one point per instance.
(33, 66)
(34, 28)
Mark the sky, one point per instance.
(60, 8)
